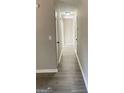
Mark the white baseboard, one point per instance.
(47, 71)
(79, 63)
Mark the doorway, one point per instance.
(69, 21)
(66, 32)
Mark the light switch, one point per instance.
(50, 37)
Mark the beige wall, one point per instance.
(45, 27)
(83, 36)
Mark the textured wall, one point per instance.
(83, 36)
(45, 27)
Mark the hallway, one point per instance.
(68, 80)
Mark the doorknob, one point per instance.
(58, 42)
(37, 5)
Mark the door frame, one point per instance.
(75, 30)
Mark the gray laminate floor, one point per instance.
(67, 80)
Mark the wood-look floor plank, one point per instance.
(68, 80)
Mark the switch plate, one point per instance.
(50, 37)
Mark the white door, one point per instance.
(57, 39)
(68, 32)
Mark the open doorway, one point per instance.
(66, 31)
(69, 29)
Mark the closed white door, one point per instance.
(68, 32)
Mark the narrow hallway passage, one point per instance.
(68, 80)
